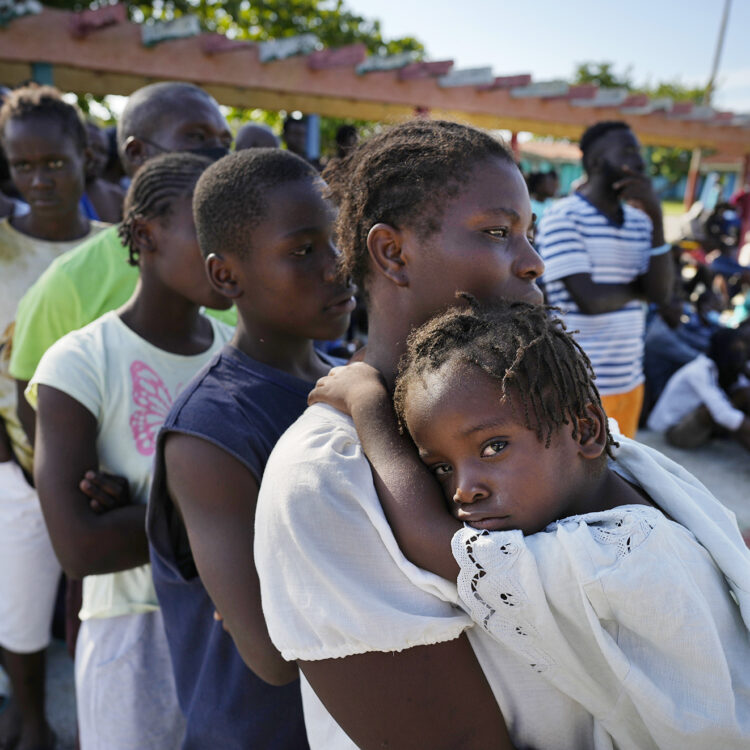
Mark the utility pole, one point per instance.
(695, 161)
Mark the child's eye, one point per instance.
(300, 252)
(493, 448)
(499, 233)
(21, 166)
(441, 470)
(55, 164)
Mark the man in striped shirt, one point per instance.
(604, 259)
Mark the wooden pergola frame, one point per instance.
(112, 59)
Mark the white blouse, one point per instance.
(626, 612)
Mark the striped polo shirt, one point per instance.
(575, 237)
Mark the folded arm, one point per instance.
(86, 543)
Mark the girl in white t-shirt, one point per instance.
(101, 394)
(627, 586)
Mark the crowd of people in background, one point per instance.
(242, 571)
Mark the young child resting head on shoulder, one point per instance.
(624, 583)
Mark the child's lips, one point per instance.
(487, 523)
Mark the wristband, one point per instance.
(661, 249)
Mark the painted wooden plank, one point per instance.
(507, 82)
(12, 9)
(86, 21)
(582, 91)
(467, 77)
(280, 49)
(377, 63)
(681, 108)
(162, 31)
(541, 90)
(425, 70)
(215, 44)
(603, 98)
(322, 59)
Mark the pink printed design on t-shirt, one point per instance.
(152, 398)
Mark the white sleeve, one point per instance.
(706, 386)
(333, 580)
(625, 613)
(73, 365)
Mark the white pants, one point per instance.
(125, 688)
(29, 571)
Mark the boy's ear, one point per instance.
(592, 432)
(136, 151)
(222, 277)
(385, 243)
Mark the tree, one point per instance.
(330, 20)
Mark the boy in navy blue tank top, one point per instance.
(266, 231)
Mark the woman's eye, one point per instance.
(198, 136)
(302, 251)
(441, 470)
(493, 448)
(497, 232)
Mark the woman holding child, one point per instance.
(425, 210)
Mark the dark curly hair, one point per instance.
(155, 187)
(403, 177)
(527, 350)
(43, 102)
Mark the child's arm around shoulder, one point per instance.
(412, 500)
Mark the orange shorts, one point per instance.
(626, 409)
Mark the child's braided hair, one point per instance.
(403, 177)
(523, 347)
(154, 189)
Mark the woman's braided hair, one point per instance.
(523, 347)
(154, 189)
(403, 177)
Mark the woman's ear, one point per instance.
(592, 432)
(385, 243)
(222, 276)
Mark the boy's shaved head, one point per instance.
(148, 108)
(231, 197)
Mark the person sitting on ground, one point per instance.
(624, 585)
(702, 322)
(266, 231)
(708, 396)
(664, 352)
(255, 135)
(45, 143)
(101, 394)
(603, 259)
(102, 199)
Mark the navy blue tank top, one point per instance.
(243, 407)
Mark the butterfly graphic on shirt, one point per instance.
(153, 401)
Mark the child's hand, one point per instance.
(105, 491)
(346, 386)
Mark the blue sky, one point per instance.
(661, 40)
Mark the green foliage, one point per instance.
(602, 74)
